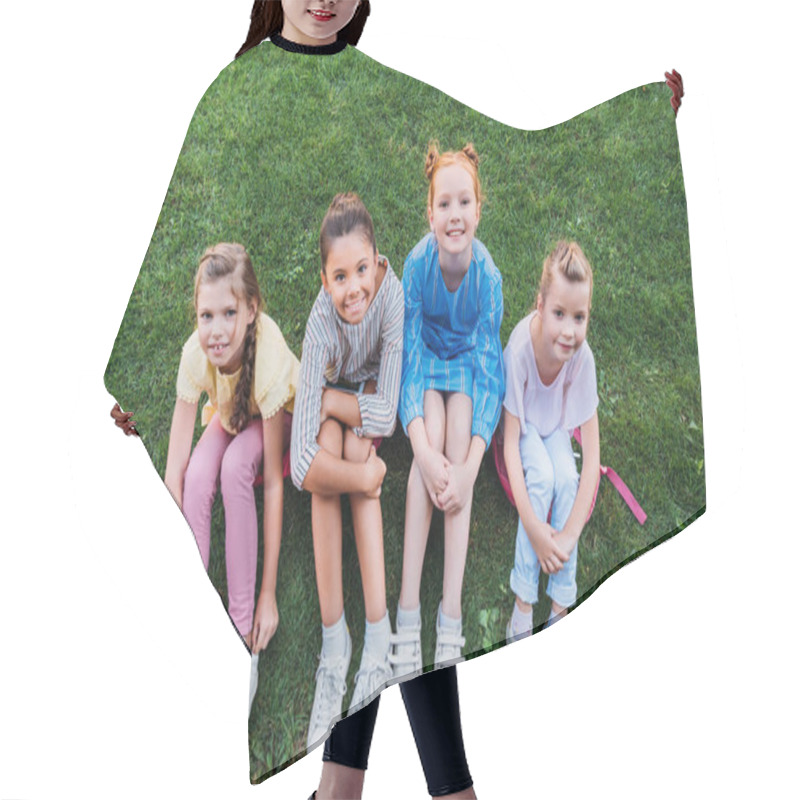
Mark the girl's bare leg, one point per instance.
(464, 794)
(419, 508)
(326, 528)
(456, 524)
(346, 783)
(339, 782)
(368, 529)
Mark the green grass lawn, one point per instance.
(267, 150)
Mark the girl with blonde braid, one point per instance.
(239, 359)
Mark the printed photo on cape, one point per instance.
(273, 140)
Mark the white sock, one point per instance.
(520, 621)
(449, 623)
(552, 618)
(253, 677)
(409, 619)
(376, 638)
(334, 638)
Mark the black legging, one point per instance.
(432, 706)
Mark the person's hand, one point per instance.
(376, 471)
(371, 386)
(548, 550)
(435, 471)
(124, 420)
(265, 621)
(458, 490)
(675, 82)
(566, 541)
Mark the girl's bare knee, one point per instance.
(435, 419)
(356, 448)
(330, 437)
(459, 427)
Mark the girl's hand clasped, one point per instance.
(376, 471)
(435, 469)
(458, 491)
(548, 550)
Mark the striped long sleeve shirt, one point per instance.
(334, 351)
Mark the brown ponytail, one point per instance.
(266, 19)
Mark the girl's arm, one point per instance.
(489, 380)
(433, 465)
(378, 410)
(307, 418)
(180, 448)
(313, 468)
(412, 386)
(265, 621)
(343, 406)
(330, 475)
(541, 535)
(590, 474)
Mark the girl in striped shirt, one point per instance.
(354, 336)
(451, 394)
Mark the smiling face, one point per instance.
(222, 321)
(315, 22)
(564, 318)
(455, 213)
(350, 276)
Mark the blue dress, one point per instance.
(452, 339)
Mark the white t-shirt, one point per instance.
(568, 402)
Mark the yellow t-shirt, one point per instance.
(274, 384)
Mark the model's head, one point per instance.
(313, 22)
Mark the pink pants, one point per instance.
(232, 462)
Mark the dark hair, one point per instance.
(266, 19)
(346, 214)
(231, 261)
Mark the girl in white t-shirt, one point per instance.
(551, 389)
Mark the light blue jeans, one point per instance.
(551, 479)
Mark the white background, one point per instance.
(121, 676)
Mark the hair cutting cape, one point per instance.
(276, 136)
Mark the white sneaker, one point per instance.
(372, 675)
(253, 680)
(329, 694)
(448, 644)
(405, 654)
